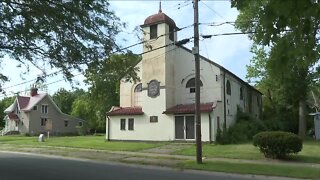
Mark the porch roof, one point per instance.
(190, 108)
(13, 116)
(117, 111)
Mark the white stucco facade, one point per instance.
(166, 96)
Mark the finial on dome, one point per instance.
(160, 11)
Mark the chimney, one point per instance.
(34, 91)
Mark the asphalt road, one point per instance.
(15, 166)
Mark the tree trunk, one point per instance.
(302, 118)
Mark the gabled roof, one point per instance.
(23, 101)
(13, 116)
(117, 111)
(223, 69)
(190, 108)
(11, 108)
(32, 101)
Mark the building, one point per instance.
(37, 114)
(161, 106)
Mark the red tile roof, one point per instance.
(117, 111)
(158, 18)
(23, 101)
(190, 108)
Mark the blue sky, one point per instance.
(232, 52)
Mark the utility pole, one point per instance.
(197, 82)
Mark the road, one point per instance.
(17, 166)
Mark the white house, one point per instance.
(161, 106)
(36, 114)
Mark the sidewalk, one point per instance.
(156, 156)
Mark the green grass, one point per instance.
(309, 154)
(89, 142)
(258, 169)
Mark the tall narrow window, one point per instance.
(191, 84)
(44, 109)
(171, 33)
(241, 93)
(65, 123)
(122, 124)
(228, 87)
(153, 31)
(131, 124)
(137, 95)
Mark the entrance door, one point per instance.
(184, 127)
(179, 127)
(189, 127)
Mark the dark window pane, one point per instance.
(131, 124)
(171, 33)
(138, 88)
(228, 87)
(123, 124)
(192, 83)
(153, 32)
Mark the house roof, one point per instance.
(11, 108)
(190, 108)
(223, 69)
(30, 101)
(117, 111)
(23, 101)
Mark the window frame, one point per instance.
(191, 84)
(35, 108)
(122, 124)
(43, 121)
(154, 31)
(131, 124)
(44, 109)
(228, 87)
(66, 123)
(171, 33)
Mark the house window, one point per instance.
(131, 124)
(44, 109)
(80, 123)
(171, 33)
(228, 87)
(35, 108)
(241, 93)
(217, 78)
(43, 121)
(153, 119)
(191, 84)
(137, 94)
(153, 31)
(122, 124)
(66, 123)
(17, 110)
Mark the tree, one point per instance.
(291, 33)
(84, 109)
(4, 103)
(104, 81)
(65, 34)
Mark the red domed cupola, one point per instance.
(158, 18)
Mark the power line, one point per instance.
(213, 10)
(225, 34)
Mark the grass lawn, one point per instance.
(310, 152)
(89, 142)
(259, 169)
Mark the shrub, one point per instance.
(277, 144)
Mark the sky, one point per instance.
(232, 52)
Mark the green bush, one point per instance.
(277, 144)
(243, 130)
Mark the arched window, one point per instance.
(191, 84)
(228, 87)
(241, 93)
(137, 94)
(138, 88)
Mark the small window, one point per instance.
(35, 108)
(122, 124)
(66, 123)
(80, 123)
(153, 31)
(217, 78)
(43, 121)
(171, 33)
(44, 109)
(131, 124)
(241, 93)
(228, 87)
(191, 84)
(153, 119)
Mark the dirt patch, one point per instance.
(168, 149)
(152, 161)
